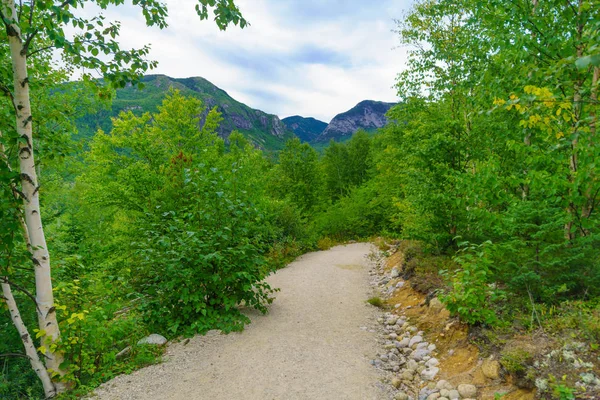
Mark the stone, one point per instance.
(491, 369)
(454, 395)
(412, 365)
(400, 285)
(414, 340)
(431, 347)
(154, 339)
(407, 375)
(443, 398)
(444, 392)
(443, 384)
(436, 304)
(401, 396)
(395, 273)
(466, 390)
(403, 343)
(432, 362)
(429, 373)
(422, 345)
(391, 320)
(433, 396)
(419, 354)
(123, 353)
(393, 336)
(396, 382)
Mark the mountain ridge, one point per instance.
(264, 130)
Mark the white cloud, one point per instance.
(307, 57)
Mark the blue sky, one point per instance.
(313, 58)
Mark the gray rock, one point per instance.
(431, 347)
(429, 373)
(395, 273)
(396, 382)
(123, 353)
(419, 354)
(466, 390)
(454, 395)
(154, 339)
(415, 340)
(403, 343)
(422, 345)
(444, 392)
(412, 365)
(432, 362)
(433, 396)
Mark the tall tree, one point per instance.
(38, 26)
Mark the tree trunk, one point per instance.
(30, 350)
(30, 189)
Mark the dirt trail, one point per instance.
(309, 346)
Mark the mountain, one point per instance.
(307, 129)
(264, 130)
(368, 115)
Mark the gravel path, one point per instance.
(313, 344)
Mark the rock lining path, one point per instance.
(309, 346)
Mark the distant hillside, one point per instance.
(265, 130)
(307, 129)
(368, 115)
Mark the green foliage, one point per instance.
(376, 301)
(296, 176)
(470, 293)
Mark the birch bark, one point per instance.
(30, 190)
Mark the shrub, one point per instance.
(470, 294)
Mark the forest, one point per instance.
(161, 226)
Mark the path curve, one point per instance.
(311, 345)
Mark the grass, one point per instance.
(376, 301)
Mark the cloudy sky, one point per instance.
(308, 57)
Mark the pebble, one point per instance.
(454, 395)
(154, 339)
(412, 365)
(419, 354)
(466, 390)
(403, 343)
(432, 362)
(401, 396)
(396, 382)
(429, 373)
(443, 384)
(415, 340)
(407, 374)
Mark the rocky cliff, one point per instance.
(368, 115)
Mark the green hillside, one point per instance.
(264, 130)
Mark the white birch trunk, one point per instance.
(30, 189)
(30, 350)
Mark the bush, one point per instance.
(471, 295)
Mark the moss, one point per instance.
(515, 361)
(376, 301)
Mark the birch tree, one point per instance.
(37, 27)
